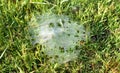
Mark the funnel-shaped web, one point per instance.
(58, 34)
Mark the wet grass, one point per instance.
(99, 54)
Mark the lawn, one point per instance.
(99, 53)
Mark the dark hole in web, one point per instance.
(78, 31)
(84, 32)
(50, 57)
(58, 24)
(76, 35)
(77, 47)
(68, 34)
(51, 25)
(61, 49)
(63, 21)
(70, 50)
(56, 56)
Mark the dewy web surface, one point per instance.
(58, 34)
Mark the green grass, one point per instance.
(99, 54)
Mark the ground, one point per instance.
(100, 53)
